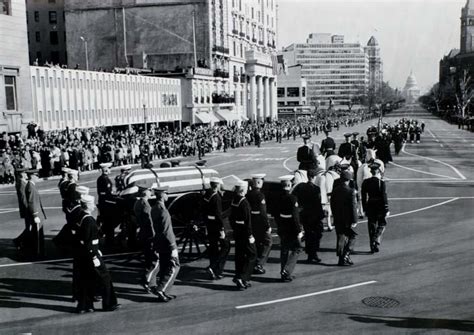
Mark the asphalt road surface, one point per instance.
(425, 266)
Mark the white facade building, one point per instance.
(292, 99)
(15, 91)
(411, 91)
(335, 71)
(81, 99)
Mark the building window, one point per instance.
(280, 92)
(53, 17)
(10, 93)
(5, 7)
(51, 1)
(55, 57)
(38, 36)
(53, 37)
(293, 92)
(37, 16)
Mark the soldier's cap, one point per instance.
(355, 133)
(241, 184)
(82, 190)
(32, 172)
(306, 137)
(73, 172)
(347, 135)
(258, 175)
(105, 165)
(216, 180)
(374, 166)
(126, 168)
(346, 175)
(87, 199)
(286, 178)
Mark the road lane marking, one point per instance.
(431, 133)
(420, 171)
(306, 295)
(430, 198)
(286, 166)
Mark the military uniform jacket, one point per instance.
(104, 188)
(289, 218)
(258, 211)
(71, 196)
(346, 149)
(119, 183)
(305, 155)
(213, 212)
(343, 206)
(142, 210)
(374, 197)
(20, 192)
(88, 237)
(326, 144)
(33, 200)
(164, 240)
(240, 217)
(309, 199)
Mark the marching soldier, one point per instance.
(219, 245)
(21, 181)
(106, 204)
(245, 252)
(305, 155)
(344, 210)
(312, 215)
(260, 227)
(34, 225)
(375, 205)
(164, 243)
(120, 179)
(289, 230)
(327, 144)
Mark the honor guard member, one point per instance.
(375, 205)
(107, 204)
(305, 155)
(219, 245)
(20, 186)
(355, 142)
(327, 143)
(120, 179)
(245, 252)
(344, 210)
(311, 215)
(62, 186)
(261, 229)
(164, 244)
(92, 272)
(35, 237)
(289, 230)
(71, 195)
(346, 149)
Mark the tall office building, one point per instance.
(335, 71)
(375, 65)
(46, 31)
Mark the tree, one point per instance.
(464, 92)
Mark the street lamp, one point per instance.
(86, 53)
(144, 114)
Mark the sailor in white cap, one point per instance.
(245, 252)
(219, 245)
(260, 226)
(289, 230)
(107, 204)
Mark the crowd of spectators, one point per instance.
(85, 149)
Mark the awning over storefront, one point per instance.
(213, 118)
(203, 118)
(227, 115)
(244, 118)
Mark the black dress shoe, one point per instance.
(97, 298)
(240, 285)
(112, 308)
(210, 272)
(259, 270)
(376, 248)
(219, 277)
(161, 296)
(169, 296)
(348, 260)
(247, 284)
(146, 286)
(314, 260)
(286, 278)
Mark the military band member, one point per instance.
(375, 205)
(219, 245)
(262, 232)
(120, 179)
(344, 210)
(289, 230)
(327, 144)
(164, 243)
(245, 252)
(35, 236)
(311, 215)
(20, 186)
(306, 156)
(107, 204)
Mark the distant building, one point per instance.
(375, 65)
(46, 31)
(411, 91)
(15, 89)
(336, 71)
(235, 40)
(467, 27)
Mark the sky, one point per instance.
(413, 34)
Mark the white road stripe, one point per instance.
(285, 162)
(420, 171)
(306, 295)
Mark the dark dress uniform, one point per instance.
(107, 204)
(260, 226)
(142, 210)
(164, 243)
(34, 246)
(62, 186)
(375, 205)
(344, 209)
(245, 252)
(92, 272)
(120, 182)
(218, 247)
(327, 144)
(22, 205)
(289, 228)
(347, 149)
(312, 215)
(305, 155)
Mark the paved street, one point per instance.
(425, 262)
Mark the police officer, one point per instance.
(305, 155)
(245, 251)
(107, 204)
(219, 245)
(327, 144)
(260, 227)
(35, 237)
(289, 230)
(375, 205)
(312, 215)
(164, 243)
(120, 179)
(344, 210)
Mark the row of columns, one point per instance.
(263, 98)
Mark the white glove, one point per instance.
(37, 220)
(269, 231)
(300, 235)
(354, 225)
(222, 235)
(96, 261)
(388, 214)
(174, 253)
(252, 240)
